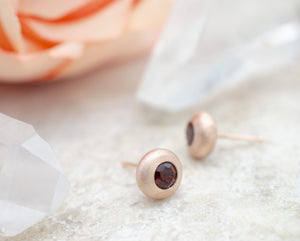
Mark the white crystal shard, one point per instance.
(208, 44)
(32, 184)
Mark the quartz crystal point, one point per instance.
(32, 184)
(208, 45)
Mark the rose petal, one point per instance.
(11, 27)
(21, 68)
(4, 42)
(31, 46)
(89, 8)
(101, 26)
(15, 4)
(149, 14)
(102, 53)
(50, 9)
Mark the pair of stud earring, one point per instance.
(159, 172)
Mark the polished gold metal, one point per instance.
(145, 172)
(202, 135)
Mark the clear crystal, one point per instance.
(32, 184)
(209, 44)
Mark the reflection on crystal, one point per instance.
(2, 150)
(210, 44)
(32, 184)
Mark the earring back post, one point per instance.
(242, 137)
(129, 164)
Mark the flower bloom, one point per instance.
(50, 39)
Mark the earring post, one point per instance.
(129, 164)
(241, 137)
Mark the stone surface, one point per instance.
(32, 184)
(240, 192)
(165, 175)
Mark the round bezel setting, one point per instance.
(145, 173)
(201, 135)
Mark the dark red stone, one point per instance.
(190, 133)
(165, 175)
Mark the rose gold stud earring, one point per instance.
(158, 174)
(201, 133)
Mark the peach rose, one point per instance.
(50, 39)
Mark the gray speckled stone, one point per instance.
(241, 191)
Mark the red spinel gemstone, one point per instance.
(165, 175)
(190, 133)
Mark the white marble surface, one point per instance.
(240, 192)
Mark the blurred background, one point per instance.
(105, 81)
